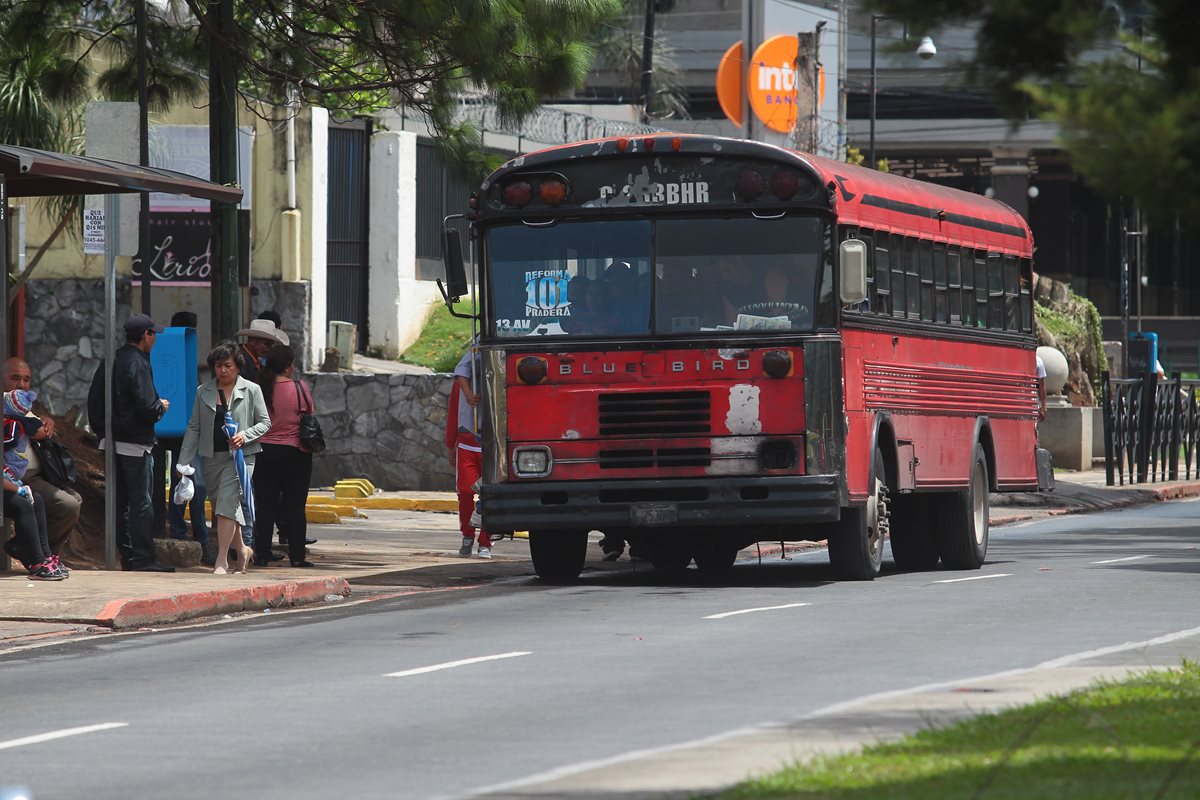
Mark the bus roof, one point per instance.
(857, 195)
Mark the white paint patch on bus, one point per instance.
(743, 417)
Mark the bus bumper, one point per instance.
(601, 505)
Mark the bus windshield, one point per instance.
(709, 275)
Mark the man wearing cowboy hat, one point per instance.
(261, 334)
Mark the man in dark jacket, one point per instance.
(136, 407)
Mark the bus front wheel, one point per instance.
(963, 528)
(558, 555)
(856, 543)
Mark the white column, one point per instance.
(315, 228)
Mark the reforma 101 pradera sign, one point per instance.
(775, 88)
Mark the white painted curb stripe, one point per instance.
(978, 578)
(1119, 560)
(752, 610)
(47, 737)
(452, 664)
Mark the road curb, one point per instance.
(141, 612)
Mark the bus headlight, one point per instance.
(532, 462)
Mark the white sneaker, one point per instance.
(485, 552)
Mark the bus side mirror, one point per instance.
(853, 264)
(456, 273)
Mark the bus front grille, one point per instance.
(663, 457)
(654, 413)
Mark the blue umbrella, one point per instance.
(239, 461)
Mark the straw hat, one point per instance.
(264, 329)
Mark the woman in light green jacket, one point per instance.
(206, 435)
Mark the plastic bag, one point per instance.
(184, 491)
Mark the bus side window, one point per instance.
(899, 257)
(883, 275)
(912, 277)
(995, 291)
(981, 289)
(925, 253)
(1026, 296)
(1012, 294)
(868, 238)
(954, 291)
(968, 288)
(940, 312)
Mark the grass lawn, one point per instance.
(1139, 738)
(443, 341)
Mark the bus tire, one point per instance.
(910, 530)
(715, 554)
(963, 528)
(856, 544)
(558, 555)
(669, 551)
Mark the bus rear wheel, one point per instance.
(557, 555)
(856, 544)
(910, 530)
(963, 528)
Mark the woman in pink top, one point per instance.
(285, 465)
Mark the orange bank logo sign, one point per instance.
(770, 84)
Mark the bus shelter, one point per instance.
(26, 172)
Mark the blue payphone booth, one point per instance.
(174, 361)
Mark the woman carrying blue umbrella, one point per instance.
(227, 421)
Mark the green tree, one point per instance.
(361, 55)
(42, 87)
(1120, 77)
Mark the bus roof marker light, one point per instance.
(677, 143)
(749, 185)
(784, 184)
(518, 193)
(648, 143)
(622, 144)
(552, 191)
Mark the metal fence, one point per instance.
(1149, 427)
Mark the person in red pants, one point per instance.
(462, 440)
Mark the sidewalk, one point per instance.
(399, 544)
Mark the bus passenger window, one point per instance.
(968, 290)
(954, 292)
(925, 253)
(995, 292)
(899, 257)
(1026, 296)
(882, 303)
(912, 285)
(940, 314)
(1012, 295)
(981, 291)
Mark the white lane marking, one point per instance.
(452, 664)
(752, 610)
(857, 703)
(47, 737)
(978, 577)
(1119, 560)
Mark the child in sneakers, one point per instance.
(31, 544)
(462, 440)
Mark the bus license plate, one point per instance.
(649, 514)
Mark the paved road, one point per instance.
(374, 701)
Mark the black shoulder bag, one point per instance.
(311, 435)
(58, 467)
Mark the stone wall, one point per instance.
(64, 337)
(388, 428)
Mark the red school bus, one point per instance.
(697, 343)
